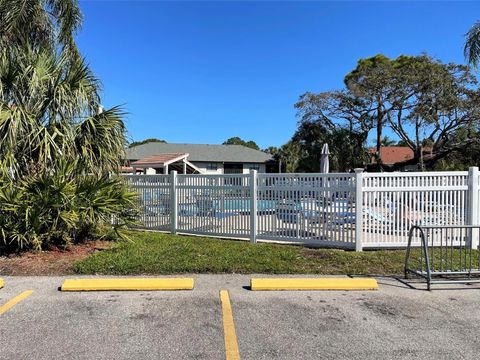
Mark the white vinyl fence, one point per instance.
(357, 210)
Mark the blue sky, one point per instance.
(201, 72)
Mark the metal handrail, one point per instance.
(446, 227)
(428, 273)
(424, 249)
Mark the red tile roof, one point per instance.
(395, 154)
(159, 159)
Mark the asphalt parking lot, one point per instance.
(395, 322)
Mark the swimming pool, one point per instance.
(217, 207)
(244, 205)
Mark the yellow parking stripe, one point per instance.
(7, 306)
(231, 345)
(1, 283)
(128, 284)
(313, 284)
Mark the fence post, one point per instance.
(253, 206)
(174, 202)
(473, 204)
(358, 209)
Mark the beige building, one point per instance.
(162, 158)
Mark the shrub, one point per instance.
(58, 208)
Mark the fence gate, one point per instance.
(308, 208)
(215, 205)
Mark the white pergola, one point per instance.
(167, 162)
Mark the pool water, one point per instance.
(229, 206)
(244, 205)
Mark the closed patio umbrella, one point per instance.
(324, 162)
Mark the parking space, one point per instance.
(109, 325)
(394, 322)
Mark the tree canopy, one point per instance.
(146, 141)
(422, 100)
(238, 141)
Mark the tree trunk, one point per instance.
(418, 144)
(379, 134)
(422, 167)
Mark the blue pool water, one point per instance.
(224, 207)
(243, 205)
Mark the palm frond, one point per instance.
(101, 140)
(472, 45)
(40, 23)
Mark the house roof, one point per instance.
(160, 159)
(394, 154)
(201, 152)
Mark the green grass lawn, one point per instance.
(156, 253)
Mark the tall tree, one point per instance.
(431, 101)
(326, 118)
(371, 81)
(347, 150)
(289, 156)
(421, 99)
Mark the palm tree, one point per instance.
(58, 147)
(49, 110)
(472, 45)
(290, 155)
(49, 98)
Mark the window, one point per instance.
(254, 167)
(212, 166)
